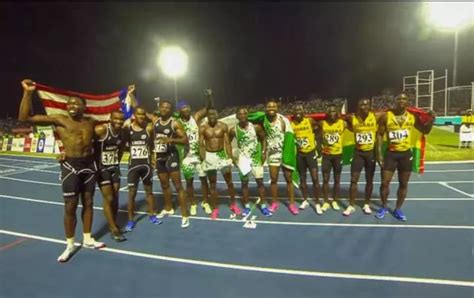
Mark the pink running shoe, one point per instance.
(215, 214)
(273, 207)
(293, 209)
(234, 208)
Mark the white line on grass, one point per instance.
(371, 277)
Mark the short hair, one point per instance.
(83, 100)
(272, 99)
(237, 109)
(166, 101)
(212, 109)
(139, 108)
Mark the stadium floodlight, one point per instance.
(451, 16)
(173, 61)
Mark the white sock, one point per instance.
(70, 242)
(87, 238)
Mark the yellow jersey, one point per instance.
(364, 132)
(468, 119)
(332, 137)
(304, 135)
(399, 134)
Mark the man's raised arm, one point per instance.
(200, 114)
(25, 106)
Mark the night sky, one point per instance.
(244, 52)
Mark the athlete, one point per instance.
(140, 142)
(306, 157)
(78, 170)
(216, 153)
(192, 164)
(397, 125)
(251, 143)
(166, 134)
(364, 126)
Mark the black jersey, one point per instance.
(160, 130)
(108, 148)
(138, 142)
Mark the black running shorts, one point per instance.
(401, 161)
(78, 175)
(332, 162)
(363, 160)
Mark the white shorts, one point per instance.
(217, 161)
(275, 157)
(191, 165)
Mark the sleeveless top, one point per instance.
(364, 132)
(332, 137)
(304, 135)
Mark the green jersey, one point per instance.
(248, 143)
(192, 132)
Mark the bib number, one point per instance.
(139, 152)
(364, 138)
(332, 138)
(160, 147)
(109, 158)
(192, 137)
(398, 136)
(302, 142)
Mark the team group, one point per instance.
(92, 154)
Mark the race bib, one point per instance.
(192, 137)
(109, 158)
(139, 152)
(332, 138)
(398, 136)
(364, 138)
(302, 142)
(160, 147)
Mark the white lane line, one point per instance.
(445, 184)
(254, 183)
(321, 224)
(34, 168)
(370, 277)
(125, 189)
(266, 171)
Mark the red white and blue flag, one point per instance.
(98, 107)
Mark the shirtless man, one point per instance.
(78, 170)
(216, 152)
